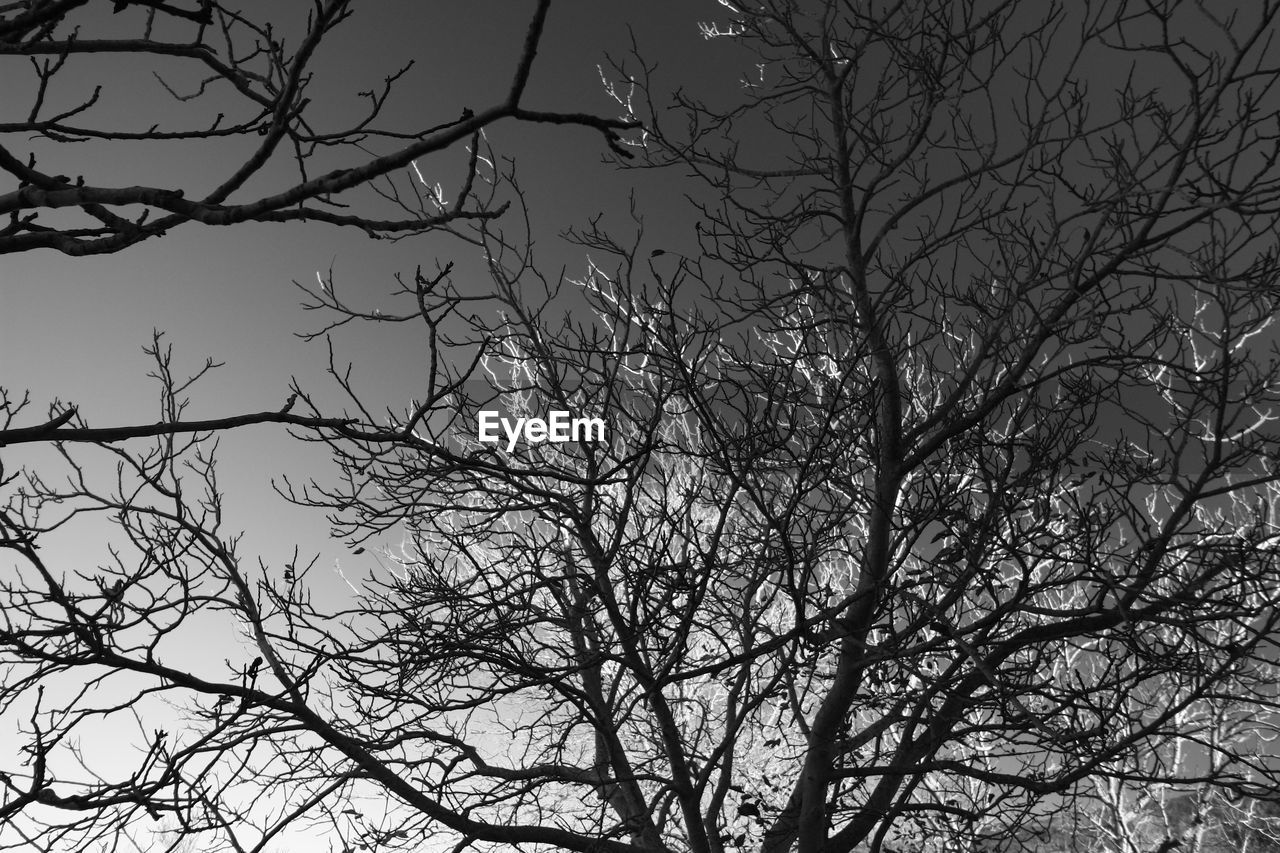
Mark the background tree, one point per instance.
(936, 511)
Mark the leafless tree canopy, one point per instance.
(254, 75)
(937, 510)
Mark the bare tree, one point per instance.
(937, 500)
(1049, 299)
(254, 77)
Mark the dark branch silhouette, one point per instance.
(270, 74)
(937, 508)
